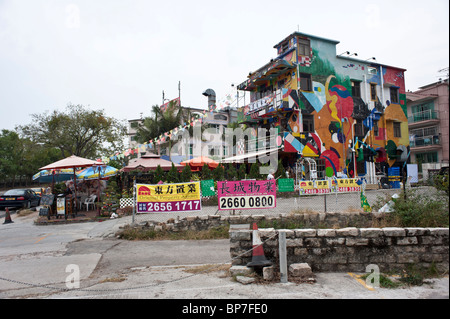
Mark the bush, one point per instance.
(186, 174)
(159, 175)
(419, 211)
(441, 182)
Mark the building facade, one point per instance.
(209, 142)
(335, 114)
(428, 120)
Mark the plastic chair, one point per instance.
(90, 201)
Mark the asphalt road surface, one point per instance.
(83, 261)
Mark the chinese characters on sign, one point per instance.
(345, 185)
(180, 197)
(246, 194)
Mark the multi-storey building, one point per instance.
(210, 143)
(428, 120)
(335, 113)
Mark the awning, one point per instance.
(242, 157)
(272, 70)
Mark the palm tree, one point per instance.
(162, 122)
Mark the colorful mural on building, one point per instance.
(346, 114)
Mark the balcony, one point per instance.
(424, 117)
(426, 142)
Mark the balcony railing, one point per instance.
(425, 141)
(423, 116)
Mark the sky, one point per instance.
(120, 56)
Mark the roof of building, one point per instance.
(308, 36)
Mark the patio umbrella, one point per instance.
(197, 163)
(149, 163)
(92, 173)
(72, 162)
(47, 176)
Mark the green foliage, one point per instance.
(241, 172)
(231, 172)
(219, 173)
(281, 172)
(206, 173)
(418, 210)
(186, 174)
(159, 175)
(77, 131)
(22, 157)
(172, 175)
(254, 172)
(111, 199)
(441, 182)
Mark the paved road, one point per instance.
(40, 261)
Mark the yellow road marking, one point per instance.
(41, 238)
(362, 282)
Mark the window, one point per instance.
(397, 129)
(220, 117)
(320, 168)
(359, 128)
(308, 123)
(305, 82)
(304, 47)
(356, 89)
(376, 131)
(427, 157)
(373, 91)
(394, 95)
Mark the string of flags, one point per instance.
(153, 143)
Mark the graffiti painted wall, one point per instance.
(341, 110)
(336, 104)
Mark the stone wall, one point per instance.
(351, 248)
(315, 220)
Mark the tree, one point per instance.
(281, 171)
(231, 172)
(77, 131)
(242, 171)
(218, 173)
(186, 174)
(159, 175)
(206, 172)
(22, 158)
(9, 154)
(172, 175)
(254, 171)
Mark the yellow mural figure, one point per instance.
(332, 99)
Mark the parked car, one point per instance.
(25, 198)
(38, 191)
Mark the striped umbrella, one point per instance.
(92, 172)
(46, 176)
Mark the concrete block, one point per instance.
(300, 270)
(245, 280)
(240, 270)
(394, 232)
(268, 273)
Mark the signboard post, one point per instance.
(247, 194)
(165, 198)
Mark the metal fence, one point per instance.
(288, 203)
